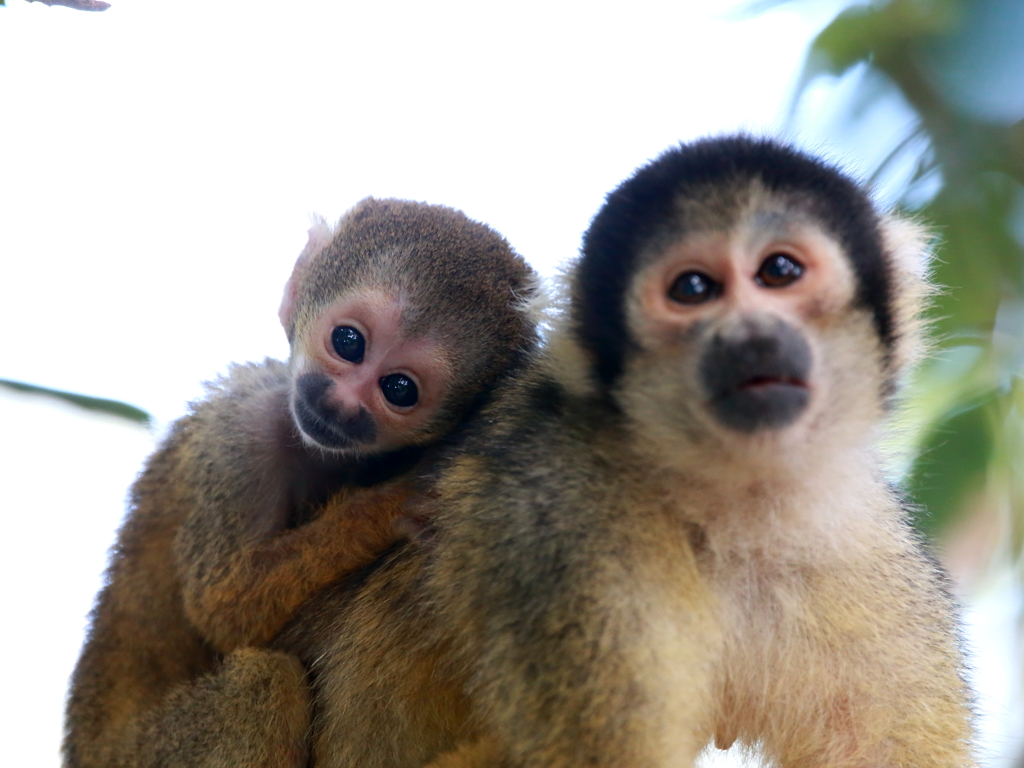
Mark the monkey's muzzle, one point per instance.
(322, 422)
(757, 379)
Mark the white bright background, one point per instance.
(158, 167)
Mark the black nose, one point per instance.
(757, 379)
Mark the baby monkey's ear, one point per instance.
(319, 237)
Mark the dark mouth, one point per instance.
(325, 424)
(319, 430)
(327, 432)
(762, 382)
(762, 402)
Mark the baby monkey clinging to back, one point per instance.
(675, 527)
(400, 322)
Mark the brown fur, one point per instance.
(616, 579)
(216, 554)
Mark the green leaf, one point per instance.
(979, 260)
(865, 32)
(952, 466)
(99, 404)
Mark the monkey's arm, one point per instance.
(471, 754)
(544, 569)
(254, 711)
(148, 690)
(244, 594)
(909, 705)
(243, 474)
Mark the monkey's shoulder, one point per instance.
(246, 380)
(539, 458)
(223, 442)
(531, 409)
(246, 405)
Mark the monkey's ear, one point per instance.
(910, 246)
(320, 235)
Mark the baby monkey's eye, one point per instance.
(348, 343)
(694, 288)
(779, 270)
(400, 390)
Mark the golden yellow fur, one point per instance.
(618, 576)
(229, 532)
(627, 560)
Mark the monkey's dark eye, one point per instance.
(779, 270)
(694, 288)
(348, 343)
(400, 390)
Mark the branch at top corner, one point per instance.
(78, 5)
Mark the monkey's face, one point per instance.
(748, 337)
(361, 385)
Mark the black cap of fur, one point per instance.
(643, 206)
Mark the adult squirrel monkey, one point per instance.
(674, 526)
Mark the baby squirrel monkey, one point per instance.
(675, 526)
(400, 321)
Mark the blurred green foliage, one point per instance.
(959, 66)
(97, 404)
